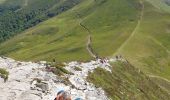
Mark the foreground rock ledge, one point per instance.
(30, 81)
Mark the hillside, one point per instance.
(137, 30)
(127, 83)
(83, 30)
(148, 47)
(64, 39)
(18, 15)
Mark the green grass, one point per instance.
(77, 69)
(127, 83)
(112, 23)
(149, 47)
(160, 4)
(63, 39)
(4, 74)
(1, 1)
(58, 69)
(162, 82)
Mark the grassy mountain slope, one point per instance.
(162, 82)
(161, 4)
(136, 29)
(63, 38)
(149, 47)
(18, 15)
(127, 83)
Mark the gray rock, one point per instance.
(30, 81)
(44, 86)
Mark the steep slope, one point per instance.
(127, 83)
(136, 29)
(64, 39)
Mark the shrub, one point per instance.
(59, 69)
(57, 72)
(4, 74)
(77, 69)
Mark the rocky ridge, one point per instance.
(31, 81)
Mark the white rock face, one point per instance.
(23, 81)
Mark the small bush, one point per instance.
(4, 74)
(66, 81)
(63, 70)
(59, 69)
(58, 65)
(77, 69)
(57, 72)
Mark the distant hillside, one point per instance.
(18, 15)
(139, 30)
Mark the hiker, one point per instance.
(105, 60)
(62, 95)
(117, 57)
(54, 60)
(101, 60)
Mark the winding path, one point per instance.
(153, 76)
(136, 28)
(89, 42)
(166, 80)
(89, 38)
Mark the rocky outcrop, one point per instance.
(31, 81)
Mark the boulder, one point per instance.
(43, 86)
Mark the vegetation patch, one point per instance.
(162, 82)
(4, 74)
(143, 35)
(66, 81)
(58, 69)
(127, 83)
(67, 39)
(15, 17)
(77, 69)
